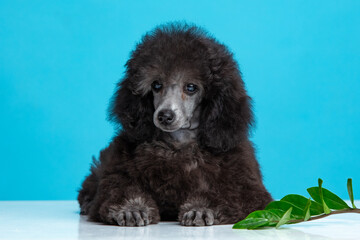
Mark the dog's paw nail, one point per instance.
(120, 220)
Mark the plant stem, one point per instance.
(351, 210)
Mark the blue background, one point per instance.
(60, 60)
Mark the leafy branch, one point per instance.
(295, 208)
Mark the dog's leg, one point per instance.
(133, 212)
(87, 193)
(88, 189)
(210, 209)
(197, 211)
(122, 202)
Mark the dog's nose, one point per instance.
(166, 117)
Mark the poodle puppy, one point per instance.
(182, 150)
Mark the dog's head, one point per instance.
(180, 78)
(177, 93)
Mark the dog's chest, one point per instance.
(172, 173)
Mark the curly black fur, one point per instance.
(141, 178)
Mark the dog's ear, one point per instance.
(133, 111)
(226, 108)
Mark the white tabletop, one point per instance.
(61, 220)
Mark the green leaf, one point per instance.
(272, 216)
(332, 200)
(326, 208)
(307, 210)
(277, 212)
(295, 208)
(350, 191)
(251, 223)
(285, 218)
(284, 206)
(300, 202)
(260, 218)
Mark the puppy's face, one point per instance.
(176, 102)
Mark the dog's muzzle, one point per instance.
(166, 117)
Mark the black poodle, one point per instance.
(183, 151)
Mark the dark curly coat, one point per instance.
(143, 176)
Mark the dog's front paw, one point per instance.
(198, 217)
(133, 213)
(131, 218)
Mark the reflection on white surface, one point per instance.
(61, 220)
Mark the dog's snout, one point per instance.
(166, 117)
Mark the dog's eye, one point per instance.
(191, 88)
(156, 86)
